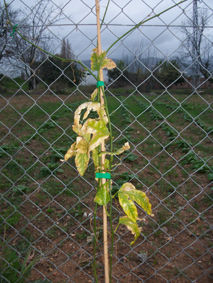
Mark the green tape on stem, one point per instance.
(100, 83)
(15, 27)
(103, 175)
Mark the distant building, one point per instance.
(90, 80)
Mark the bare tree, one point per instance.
(144, 59)
(7, 43)
(34, 27)
(66, 50)
(197, 54)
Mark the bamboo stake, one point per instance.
(101, 78)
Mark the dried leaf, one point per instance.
(126, 146)
(118, 151)
(91, 106)
(70, 152)
(98, 138)
(110, 64)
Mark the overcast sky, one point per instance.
(79, 24)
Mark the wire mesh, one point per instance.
(160, 101)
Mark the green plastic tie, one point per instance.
(103, 175)
(14, 30)
(100, 83)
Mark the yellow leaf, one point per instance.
(81, 145)
(95, 157)
(131, 226)
(128, 205)
(81, 161)
(106, 164)
(138, 196)
(97, 139)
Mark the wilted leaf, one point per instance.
(90, 106)
(110, 64)
(81, 161)
(118, 151)
(77, 130)
(94, 126)
(131, 226)
(94, 94)
(87, 105)
(95, 157)
(102, 197)
(70, 152)
(137, 196)
(81, 145)
(126, 146)
(128, 205)
(98, 138)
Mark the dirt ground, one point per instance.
(176, 245)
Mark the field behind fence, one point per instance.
(160, 100)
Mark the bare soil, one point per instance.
(176, 245)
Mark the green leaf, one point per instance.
(81, 161)
(210, 177)
(97, 62)
(96, 126)
(106, 164)
(101, 61)
(102, 197)
(131, 226)
(94, 94)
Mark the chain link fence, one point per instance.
(160, 100)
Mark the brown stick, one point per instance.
(101, 77)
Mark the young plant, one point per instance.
(92, 134)
(90, 142)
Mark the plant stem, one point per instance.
(106, 262)
(94, 245)
(110, 189)
(142, 22)
(105, 13)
